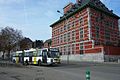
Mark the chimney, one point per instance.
(68, 7)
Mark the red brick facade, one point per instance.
(88, 30)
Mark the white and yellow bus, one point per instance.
(17, 56)
(50, 56)
(43, 56)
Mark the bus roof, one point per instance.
(19, 51)
(30, 50)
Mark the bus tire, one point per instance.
(26, 62)
(14, 61)
(39, 62)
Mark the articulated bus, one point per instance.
(43, 56)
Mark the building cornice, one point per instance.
(83, 6)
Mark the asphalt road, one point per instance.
(71, 71)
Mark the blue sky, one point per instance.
(34, 17)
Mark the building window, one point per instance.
(58, 39)
(65, 27)
(68, 26)
(68, 36)
(81, 48)
(112, 25)
(97, 32)
(107, 34)
(61, 30)
(64, 37)
(54, 32)
(97, 19)
(61, 38)
(81, 33)
(73, 48)
(58, 31)
(69, 50)
(108, 43)
(73, 35)
(97, 42)
(81, 21)
(106, 23)
(73, 24)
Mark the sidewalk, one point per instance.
(6, 63)
(88, 63)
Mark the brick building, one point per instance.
(88, 29)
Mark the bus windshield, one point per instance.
(53, 54)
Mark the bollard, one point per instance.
(88, 75)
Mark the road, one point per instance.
(72, 71)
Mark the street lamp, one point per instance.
(59, 11)
(66, 22)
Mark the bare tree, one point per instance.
(38, 44)
(25, 43)
(2, 46)
(9, 39)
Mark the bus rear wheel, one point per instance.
(26, 63)
(39, 62)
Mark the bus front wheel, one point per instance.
(14, 61)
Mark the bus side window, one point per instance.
(49, 53)
(39, 53)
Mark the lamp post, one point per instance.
(66, 22)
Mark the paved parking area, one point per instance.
(64, 71)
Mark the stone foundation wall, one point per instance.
(92, 57)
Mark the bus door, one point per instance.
(21, 57)
(30, 56)
(44, 56)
